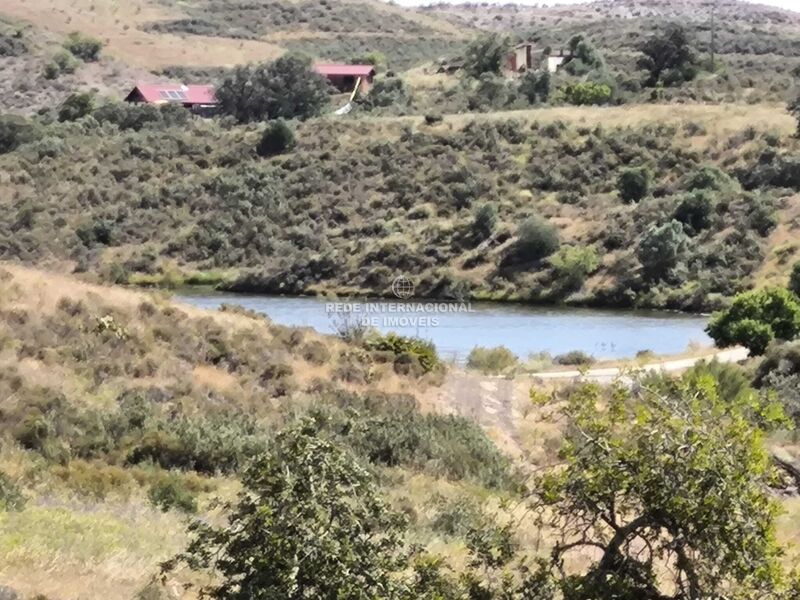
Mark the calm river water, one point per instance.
(456, 329)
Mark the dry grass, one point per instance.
(785, 244)
(719, 120)
(117, 24)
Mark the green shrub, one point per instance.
(492, 360)
(661, 249)
(574, 357)
(633, 184)
(573, 264)
(794, 279)
(277, 138)
(486, 54)
(171, 492)
(586, 92)
(483, 222)
(83, 47)
(388, 91)
(536, 239)
(756, 318)
(535, 86)
(11, 497)
(695, 210)
(76, 106)
(422, 351)
(15, 131)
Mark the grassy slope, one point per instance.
(88, 529)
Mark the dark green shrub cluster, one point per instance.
(83, 47)
(277, 138)
(408, 351)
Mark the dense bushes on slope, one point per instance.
(155, 202)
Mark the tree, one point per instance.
(756, 318)
(387, 91)
(484, 221)
(573, 264)
(76, 106)
(486, 54)
(668, 489)
(492, 91)
(278, 137)
(286, 88)
(535, 86)
(661, 249)
(794, 109)
(309, 523)
(695, 210)
(668, 57)
(83, 47)
(15, 131)
(536, 239)
(633, 184)
(794, 279)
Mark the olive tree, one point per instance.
(756, 318)
(486, 54)
(285, 88)
(666, 488)
(309, 523)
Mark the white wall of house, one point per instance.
(554, 62)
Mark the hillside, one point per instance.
(109, 395)
(358, 202)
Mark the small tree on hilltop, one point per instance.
(756, 318)
(76, 106)
(308, 524)
(663, 495)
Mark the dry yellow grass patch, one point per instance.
(117, 24)
(784, 245)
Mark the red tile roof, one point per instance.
(176, 92)
(345, 70)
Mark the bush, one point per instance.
(277, 138)
(492, 360)
(633, 184)
(388, 91)
(794, 279)
(756, 318)
(586, 92)
(76, 106)
(83, 47)
(15, 131)
(695, 210)
(486, 54)
(422, 351)
(483, 222)
(661, 249)
(573, 264)
(574, 357)
(11, 497)
(535, 86)
(536, 239)
(172, 492)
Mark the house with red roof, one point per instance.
(344, 77)
(198, 98)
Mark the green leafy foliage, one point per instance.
(308, 524)
(668, 487)
(633, 184)
(76, 106)
(536, 239)
(755, 318)
(535, 86)
(171, 492)
(493, 361)
(15, 131)
(286, 88)
(668, 57)
(387, 91)
(586, 92)
(420, 351)
(573, 264)
(483, 222)
(486, 54)
(661, 249)
(11, 496)
(794, 279)
(277, 138)
(83, 47)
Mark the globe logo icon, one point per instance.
(402, 287)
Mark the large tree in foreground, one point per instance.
(667, 490)
(309, 523)
(286, 88)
